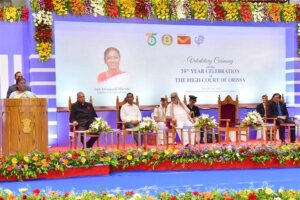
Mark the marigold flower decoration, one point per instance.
(10, 14)
(162, 9)
(111, 8)
(199, 9)
(127, 8)
(232, 10)
(219, 12)
(77, 7)
(274, 11)
(60, 7)
(246, 12)
(289, 12)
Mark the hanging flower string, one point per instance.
(127, 8)
(43, 33)
(274, 12)
(245, 12)
(200, 9)
(289, 12)
(77, 7)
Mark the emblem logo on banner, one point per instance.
(167, 39)
(183, 39)
(199, 39)
(151, 39)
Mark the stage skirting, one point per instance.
(68, 173)
(162, 166)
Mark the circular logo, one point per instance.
(167, 39)
(199, 39)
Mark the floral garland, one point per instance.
(33, 164)
(127, 8)
(142, 9)
(246, 12)
(232, 12)
(112, 9)
(199, 9)
(13, 14)
(43, 33)
(162, 9)
(77, 7)
(274, 12)
(265, 193)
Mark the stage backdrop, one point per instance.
(157, 59)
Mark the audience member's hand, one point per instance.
(75, 123)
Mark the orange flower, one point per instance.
(274, 12)
(77, 7)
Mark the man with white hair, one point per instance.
(179, 116)
(82, 115)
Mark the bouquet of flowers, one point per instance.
(253, 119)
(204, 121)
(148, 124)
(99, 125)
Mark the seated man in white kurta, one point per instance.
(159, 115)
(131, 115)
(178, 113)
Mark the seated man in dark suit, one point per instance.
(13, 87)
(277, 109)
(82, 115)
(261, 108)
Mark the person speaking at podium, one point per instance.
(21, 91)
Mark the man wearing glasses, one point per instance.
(179, 116)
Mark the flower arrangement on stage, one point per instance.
(13, 14)
(253, 119)
(205, 121)
(147, 125)
(265, 193)
(99, 125)
(35, 163)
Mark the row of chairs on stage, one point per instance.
(228, 122)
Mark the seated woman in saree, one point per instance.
(21, 91)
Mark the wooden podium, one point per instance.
(23, 125)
